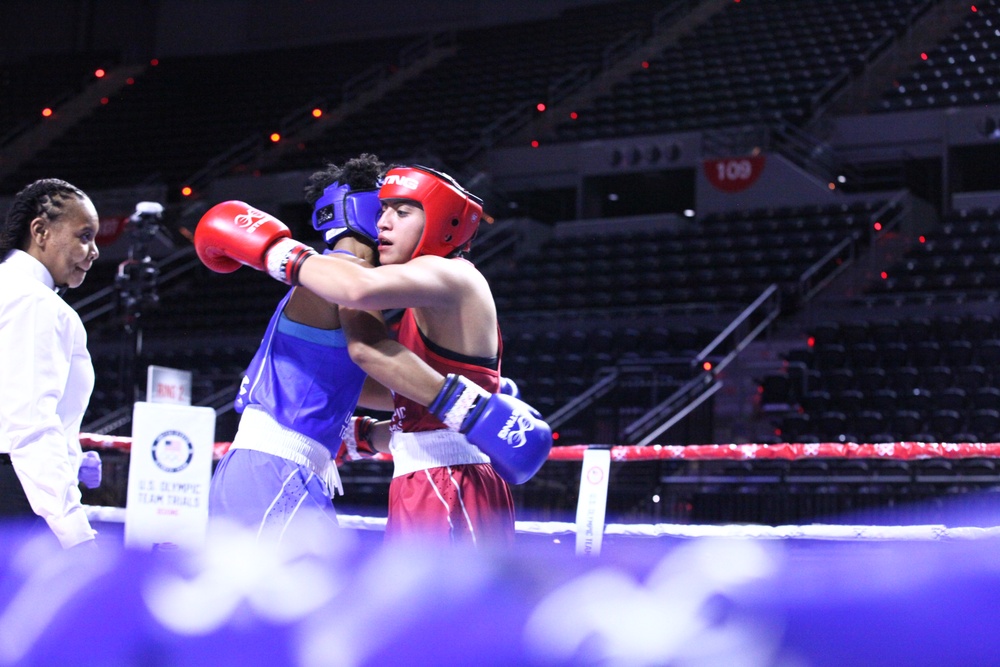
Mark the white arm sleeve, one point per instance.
(38, 339)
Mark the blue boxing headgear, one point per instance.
(341, 210)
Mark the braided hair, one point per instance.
(45, 198)
(360, 173)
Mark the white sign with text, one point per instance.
(593, 501)
(168, 385)
(170, 468)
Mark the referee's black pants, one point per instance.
(13, 502)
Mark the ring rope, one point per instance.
(932, 532)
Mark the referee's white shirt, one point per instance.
(46, 378)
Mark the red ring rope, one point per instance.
(903, 451)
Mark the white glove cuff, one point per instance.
(277, 258)
(347, 436)
(469, 394)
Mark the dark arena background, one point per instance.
(751, 246)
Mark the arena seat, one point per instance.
(952, 398)
(945, 424)
(985, 423)
(815, 401)
(837, 379)
(906, 424)
(987, 352)
(972, 376)
(870, 425)
(849, 401)
(956, 352)
(985, 398)
(864, 355)
(883, 400)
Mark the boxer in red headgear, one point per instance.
(453, 459)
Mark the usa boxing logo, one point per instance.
(516, 437)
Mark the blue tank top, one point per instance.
(304, 378)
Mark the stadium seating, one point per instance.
(958, 260)
(184, 111)
(734, 70)
(962, 70)
(726, 261)
(914, 391)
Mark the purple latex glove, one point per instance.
(90, 470)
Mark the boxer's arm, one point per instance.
(387, 362)
(426, 281)
(390, 366)
(363, 438)
(379, 436)
(306, 308)
(375, 396)
(234, 233)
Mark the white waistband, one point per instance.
(260, 432)
(431, 449)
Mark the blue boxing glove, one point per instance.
(505, 428)
(509, 387)
(89, 473)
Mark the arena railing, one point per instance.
(840, 257)
(699, 385)
(706, 365)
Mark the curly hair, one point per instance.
(45, 198)
(360, 173)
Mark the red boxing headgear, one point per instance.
(452, 214)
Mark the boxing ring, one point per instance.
(658, 594)
(559, 530)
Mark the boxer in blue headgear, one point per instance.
(301, 387)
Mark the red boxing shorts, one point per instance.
(460, 504)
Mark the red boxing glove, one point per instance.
(234, 233)
(357, 443)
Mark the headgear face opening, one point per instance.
(451, 213)
(341, 210)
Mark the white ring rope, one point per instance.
(738, 531)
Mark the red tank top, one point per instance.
(410, 416)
